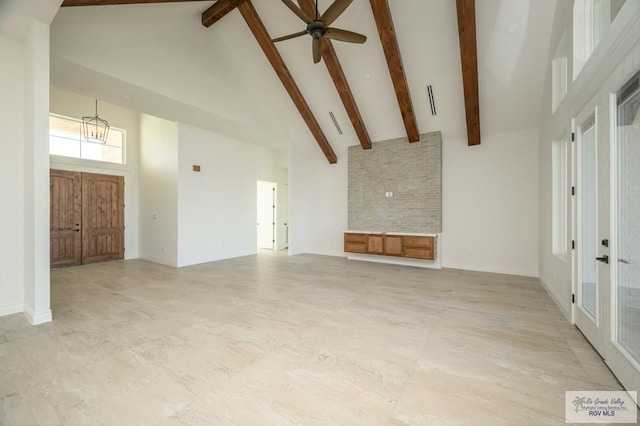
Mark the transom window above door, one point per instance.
(65, 140)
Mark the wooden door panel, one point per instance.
(65, 218)
(102, 217)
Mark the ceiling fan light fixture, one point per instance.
(320, 26)
(316, 29)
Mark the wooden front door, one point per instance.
(96, 223)
(102, 217)
(65, 240)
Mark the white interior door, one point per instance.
(266, 215)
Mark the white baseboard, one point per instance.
(159, 260)
(433, 264)
(564, 307)
(11, 309)
(38, 318)
(494, 270)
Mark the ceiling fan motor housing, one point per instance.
(316, 29)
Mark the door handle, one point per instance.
(603, 259)
(77, 230)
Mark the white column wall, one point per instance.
(158, 190)
(36, 175)
(11, 176)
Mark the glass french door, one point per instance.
(591, 201)
(606, 162)
(624, 355)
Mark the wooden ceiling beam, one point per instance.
(71, 3)
(469, 60)
(218, 11)
(331, 61)
(263, 38)
(384, 22)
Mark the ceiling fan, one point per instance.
(320, 26)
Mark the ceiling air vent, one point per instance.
(335, 122)
(432, 101)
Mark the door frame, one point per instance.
(592, 328)
(82, 196)
(274, 213)
(623, 365)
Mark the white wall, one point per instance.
(73, 105)
(490, 204)
(318, 203)
(11, 176)
(189, 217)
(217, 206)
(158, 190)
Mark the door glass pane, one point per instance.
(628, 220)
(588, 208)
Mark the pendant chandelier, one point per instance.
(95, 129)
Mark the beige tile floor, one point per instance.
(292, 340)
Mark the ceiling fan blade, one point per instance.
(334, 11)
(317, 50)
(295, 9)
(344, 35)
(290, 36)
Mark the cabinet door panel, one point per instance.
(393, 245)
(375, 244)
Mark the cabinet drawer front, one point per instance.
(355, 247)
(419, 253)
(426, 242)
(355, 238)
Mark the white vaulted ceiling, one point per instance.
(159, 59)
